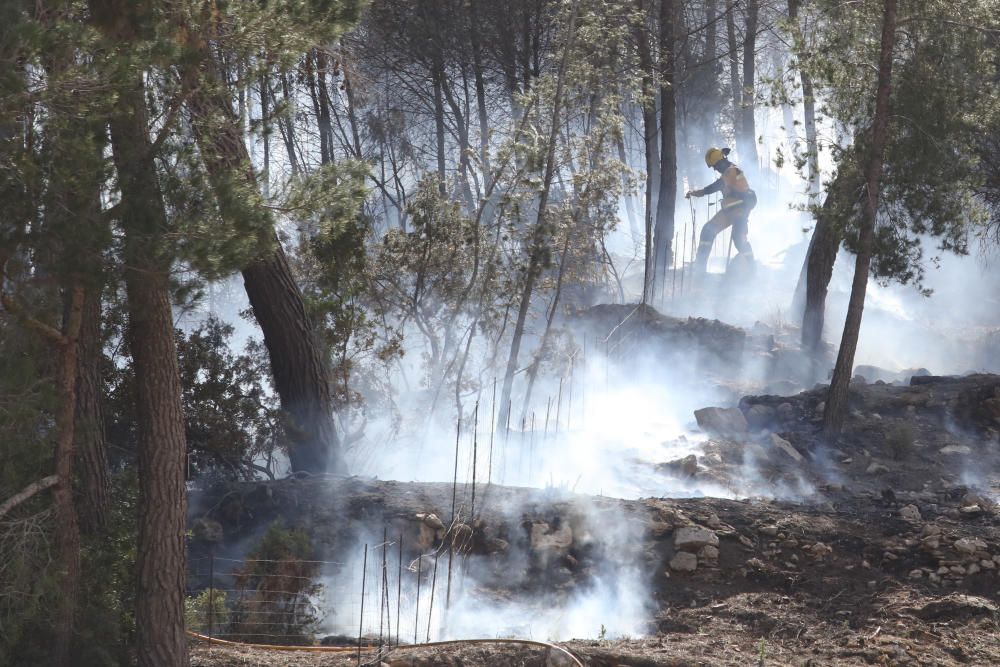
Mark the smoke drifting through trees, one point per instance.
(419, 197)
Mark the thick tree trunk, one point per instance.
(664, 232)
(841, 198)
(91, 452)
(67, 521)
(297, 358)
(160, 558)
(747, 146)
(836, 404)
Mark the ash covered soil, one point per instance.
(890, 553)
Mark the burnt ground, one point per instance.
(890, 556)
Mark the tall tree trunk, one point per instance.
(477, 69)
(748, 126)
(537, 243)
(160, 558)
(841, 197)
(649, 131)
(836, 404)
(297, 357)
(437, 80)
(734, 72)
(67, 521)
(92, 458)
(808, 104)
(664, 232)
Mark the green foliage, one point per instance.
(205, 611)
(932, 171)
(233, 423)
(277, 595)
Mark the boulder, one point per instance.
(725, 422)
(684, 561)
(910, 513)
(693, 538)
(759, 416)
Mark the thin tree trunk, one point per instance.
(808, 107)
(664, 232)
(297, 359)
(437, 80)
(477, 68)
(748, 125)
(734, 71)
(160, 558)
(649, 126)
(537, 245)
(836, 404)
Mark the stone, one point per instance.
(972, 569)
(971, 511)
(759, 416)
(693, 538)
(725, 422)
(956, 449)
(876, 468)
(820, 551)
(549, 543)
(785, 447)
(916, 574)
(786, 412)
(910, 513)
(431, 520)
(686, 467)
(709, 555)
(987, 564)
(684, 561)
(969, 545)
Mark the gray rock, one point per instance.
(693, 538)
(969, 545)
(760, 416)
(684, 562)
(956, 449)
(875, 468)
(910, 513)
(785, 447)
(726, 422)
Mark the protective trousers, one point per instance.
(738, 217)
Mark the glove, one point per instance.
(692, 193)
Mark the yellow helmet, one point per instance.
(713, 156)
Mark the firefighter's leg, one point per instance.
(711, 229)
(740, 230)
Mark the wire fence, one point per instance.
(379, 599)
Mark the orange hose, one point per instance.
(366, 649)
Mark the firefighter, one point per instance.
(737, 202)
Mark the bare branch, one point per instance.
(27, 492)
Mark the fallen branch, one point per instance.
(28, 492)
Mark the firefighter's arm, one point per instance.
(707, 190)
